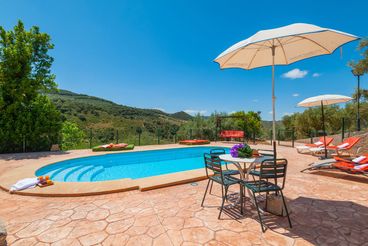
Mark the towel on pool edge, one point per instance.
(24, 184)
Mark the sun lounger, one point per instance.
(358, 165)
(113, 147)
(342, 149)
(194, 142)
(326, 163)
(306, 149)
(337, 162)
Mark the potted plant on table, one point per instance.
(242, 151)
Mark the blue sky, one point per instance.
(159, 54)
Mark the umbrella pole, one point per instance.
(273, 103)
(324, 129)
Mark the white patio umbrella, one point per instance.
(324, 100)
(282, 46)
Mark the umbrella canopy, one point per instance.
(282, 46)
(290, 43)
(323, 100)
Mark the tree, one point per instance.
(361, 66)
(72, 136)
(27, 117)
(363, 95)
(250, 122)
(289, 121)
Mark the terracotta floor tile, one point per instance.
(25, 242)
(197, 234)
(42, 244)
(118, 216)
(119, 226)
(60, 215)
(93, 238)
(155, 231)
(54, 234)
(175, 237)
(98, 214)
(139, 240)
(34, 229)
(162, 240)
(192, 222)
(116, 240)
(67, 242)
(173, 223)
(85, 227)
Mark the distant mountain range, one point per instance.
(95, 113)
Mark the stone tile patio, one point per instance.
(327, 209)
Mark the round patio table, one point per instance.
(248, 163)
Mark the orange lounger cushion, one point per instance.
(344, 165)
(349, 165)
(320, 142)
(194, 142)
(120, 145)
(346, 144)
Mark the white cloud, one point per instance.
(195, 111)
(287, 113)
(315, 75)
(161, 109)
(296, 95)
(255, 100)
(270, 112)
(295, 74)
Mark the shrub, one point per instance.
(72, 136)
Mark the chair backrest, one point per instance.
(351, 141)
(328, 140)
(217, 151)
(272, 169)
(212, 163)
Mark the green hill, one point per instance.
(181, 116)
(104, 118)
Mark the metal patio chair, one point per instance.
(221, 151)
(214, 172)
(269, 180)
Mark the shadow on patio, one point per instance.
(31, 155)
(337, 174)
(323, 222)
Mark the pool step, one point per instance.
(73, 175)
(59, 174)
(88, 174)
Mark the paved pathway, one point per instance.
(326, 210)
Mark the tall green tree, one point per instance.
(250, 122)
(27, 117)
(361, 66)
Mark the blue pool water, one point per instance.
(132, 165)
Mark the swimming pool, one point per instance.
(132, 165)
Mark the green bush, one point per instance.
(72, 136)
